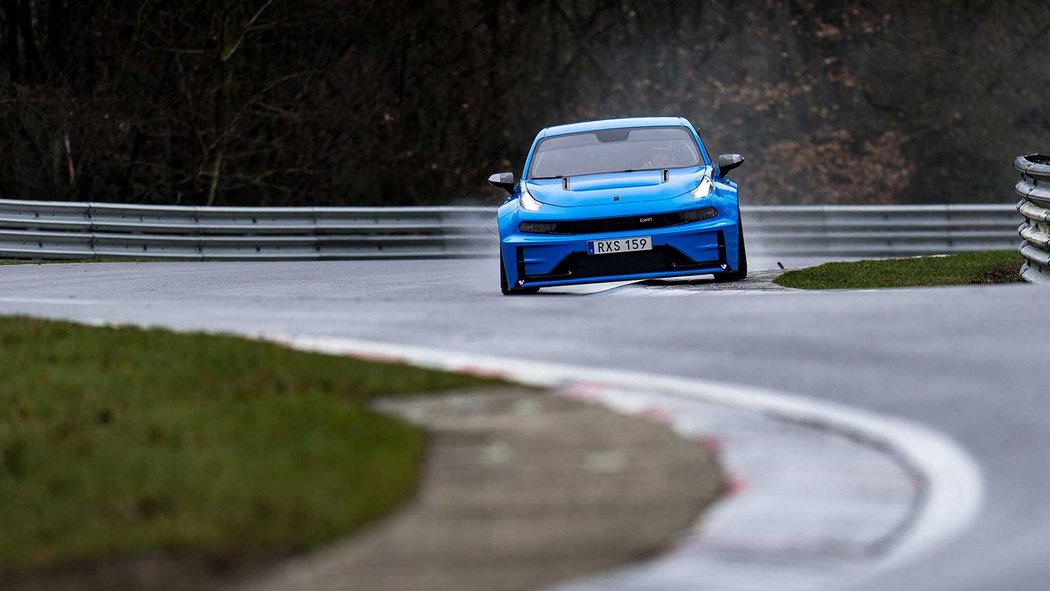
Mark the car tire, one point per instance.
(741, 272)
(505, 288)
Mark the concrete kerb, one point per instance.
(946, 487)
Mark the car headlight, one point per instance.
(704, 188)
(528, 203)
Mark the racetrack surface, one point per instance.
(963, 360)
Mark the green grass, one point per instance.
(995, 266)
(120, 442)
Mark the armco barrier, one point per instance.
(67, 230)
(45, 229)
(877, 230)
(1034, 190)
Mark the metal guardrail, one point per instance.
(878, 230)
(46, 229)
(68, 230)
(1034, 190)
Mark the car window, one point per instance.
(614, 150)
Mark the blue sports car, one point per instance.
(617, 200)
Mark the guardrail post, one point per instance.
(315, 232)
(91, 229)
(1034, 190)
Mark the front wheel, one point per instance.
(505, 288)
(740, 272)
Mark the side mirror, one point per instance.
(727, 162)
(503, 180)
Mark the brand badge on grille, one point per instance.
(644, 220)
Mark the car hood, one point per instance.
(624, 187)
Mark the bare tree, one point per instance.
(412, 101)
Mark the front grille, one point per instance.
(627, 263)
(619, 224)
(580, 265)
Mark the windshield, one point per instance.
(614, 150)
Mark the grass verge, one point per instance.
(124, 442)
(994, 266)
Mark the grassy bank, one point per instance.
(995, 266)
(125, 442)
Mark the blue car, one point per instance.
(616, 200)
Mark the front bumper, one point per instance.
(537, 260)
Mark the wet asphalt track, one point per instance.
(966, 361)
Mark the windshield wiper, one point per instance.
(564, 179)
(565, 176)
(562, 176)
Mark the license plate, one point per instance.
(619, 245)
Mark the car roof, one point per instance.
(614, 124)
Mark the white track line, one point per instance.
(953, 484)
